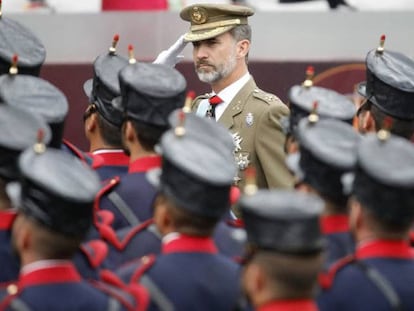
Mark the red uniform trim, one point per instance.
(6, 219)
(108, 234)
(96, 251)
(111, 183)
(326, 278)
(289, 305)
(145, 164)
(334, 224)
(384, 249)
(75, 150)
(235, 223)
(189, 244)
(110, 158)
(146, 263)
(65, 273)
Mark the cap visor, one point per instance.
(87, 87)
(362, 89)
(206, 34)
(153, 176)
(14, 190)
(292, 162)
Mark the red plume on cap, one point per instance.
(380, 49)
(112, 49)
(13, 68)
(310, 72)
(40, 147)
(250, 177)
(313, 117)
(131, 55)
(188, 101)
(180, 129)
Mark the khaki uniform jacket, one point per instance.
(253, 117)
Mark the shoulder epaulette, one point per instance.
(95, 251)
(131, 297)
(264, 96)
(326, 279)
(105, 217)
(108, 234)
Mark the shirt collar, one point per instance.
(384, 249)
(109, 157)
(48, 271)
(6, 219)
(145, 164)
(289, 305)
(334, 224)
(228, 94)
(180, 243)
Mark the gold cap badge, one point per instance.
(199, 15)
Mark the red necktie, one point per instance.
(214, 101)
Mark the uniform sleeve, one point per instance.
(269, 144)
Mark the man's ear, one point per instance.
(92, 122)
(130, 135)
(254, 279)
(368, 123)
(243, 48)
(355, 214)
(22, 233)
(162, 216)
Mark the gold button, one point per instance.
(12, 289)
(145, 260)
(113, 181)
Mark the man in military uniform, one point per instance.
(54, 214)
(17, 132)
(102, 122)
(327, 156)
(380, 274)
(284, 249)
(307, 98)
(18, 39)
(40, 97)
(221, 42)
(190, 274)
(389, 92)
(150, 92)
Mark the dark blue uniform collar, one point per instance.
(289, 305)
(384, 249)
(189, 244)
(6, 219)
(145, 164)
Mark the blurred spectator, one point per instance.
(123, 5)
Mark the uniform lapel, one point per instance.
(237, 104)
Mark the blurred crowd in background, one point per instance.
(90, 6)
